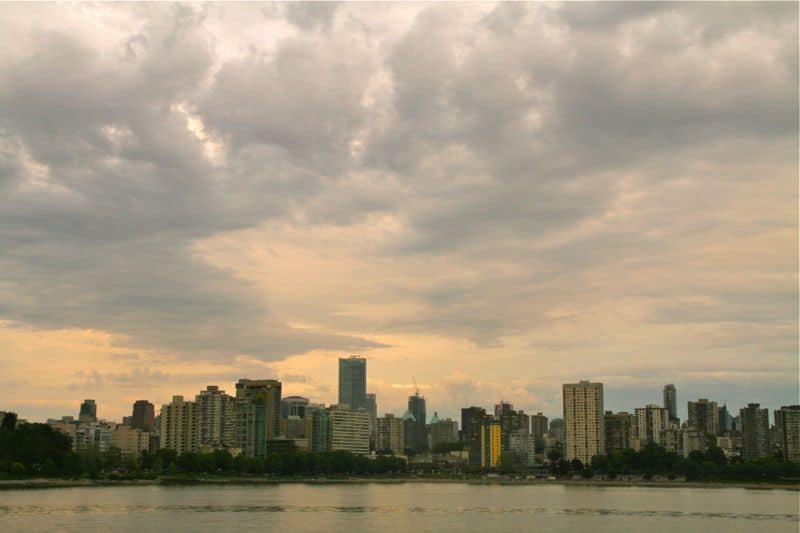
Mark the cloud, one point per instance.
(555, 187)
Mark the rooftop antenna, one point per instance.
(416, 388)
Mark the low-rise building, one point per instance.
(131, 441)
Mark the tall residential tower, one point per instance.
(583, 421)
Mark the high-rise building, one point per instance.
(787, 421)
(318, 416)
(348, 430)
(556, 432)
(619, 428)
(725, 420)
(353, 382)
(416, 406)
(371, 406)
(216, 418)
(671, 401)
(538, 426)
(703, 416)
(583, 421)
(471, 422)
(294, 428)
(294, 406)
(178, 425)
(516, 422)
(755, 431)
(503, 408)
(519, 445)
(144, 415)
(88, 412)
(442, 431)
(651, 422)
(410, 431)
(490, 442)
(390, 435)
(258, 403)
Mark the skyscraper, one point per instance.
(353, 382)
(583, 421)
(671, 400)
(416, 405)
(88, 412)
(703, 416)
(755, 431)
(258, 404)
(144, 415)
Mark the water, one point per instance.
(395, 508)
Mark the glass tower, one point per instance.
(671, 400)
(353, 382)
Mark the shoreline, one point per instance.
(21, 484)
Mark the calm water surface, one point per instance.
(396, 508)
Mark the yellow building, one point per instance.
(490, 444)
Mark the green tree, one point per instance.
(9, 422)
(223, 460)
(716, 456)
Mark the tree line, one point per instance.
(654, 460)
(37, 450)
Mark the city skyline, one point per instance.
(490, 199)
(685, 412)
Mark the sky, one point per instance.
(488, 199)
